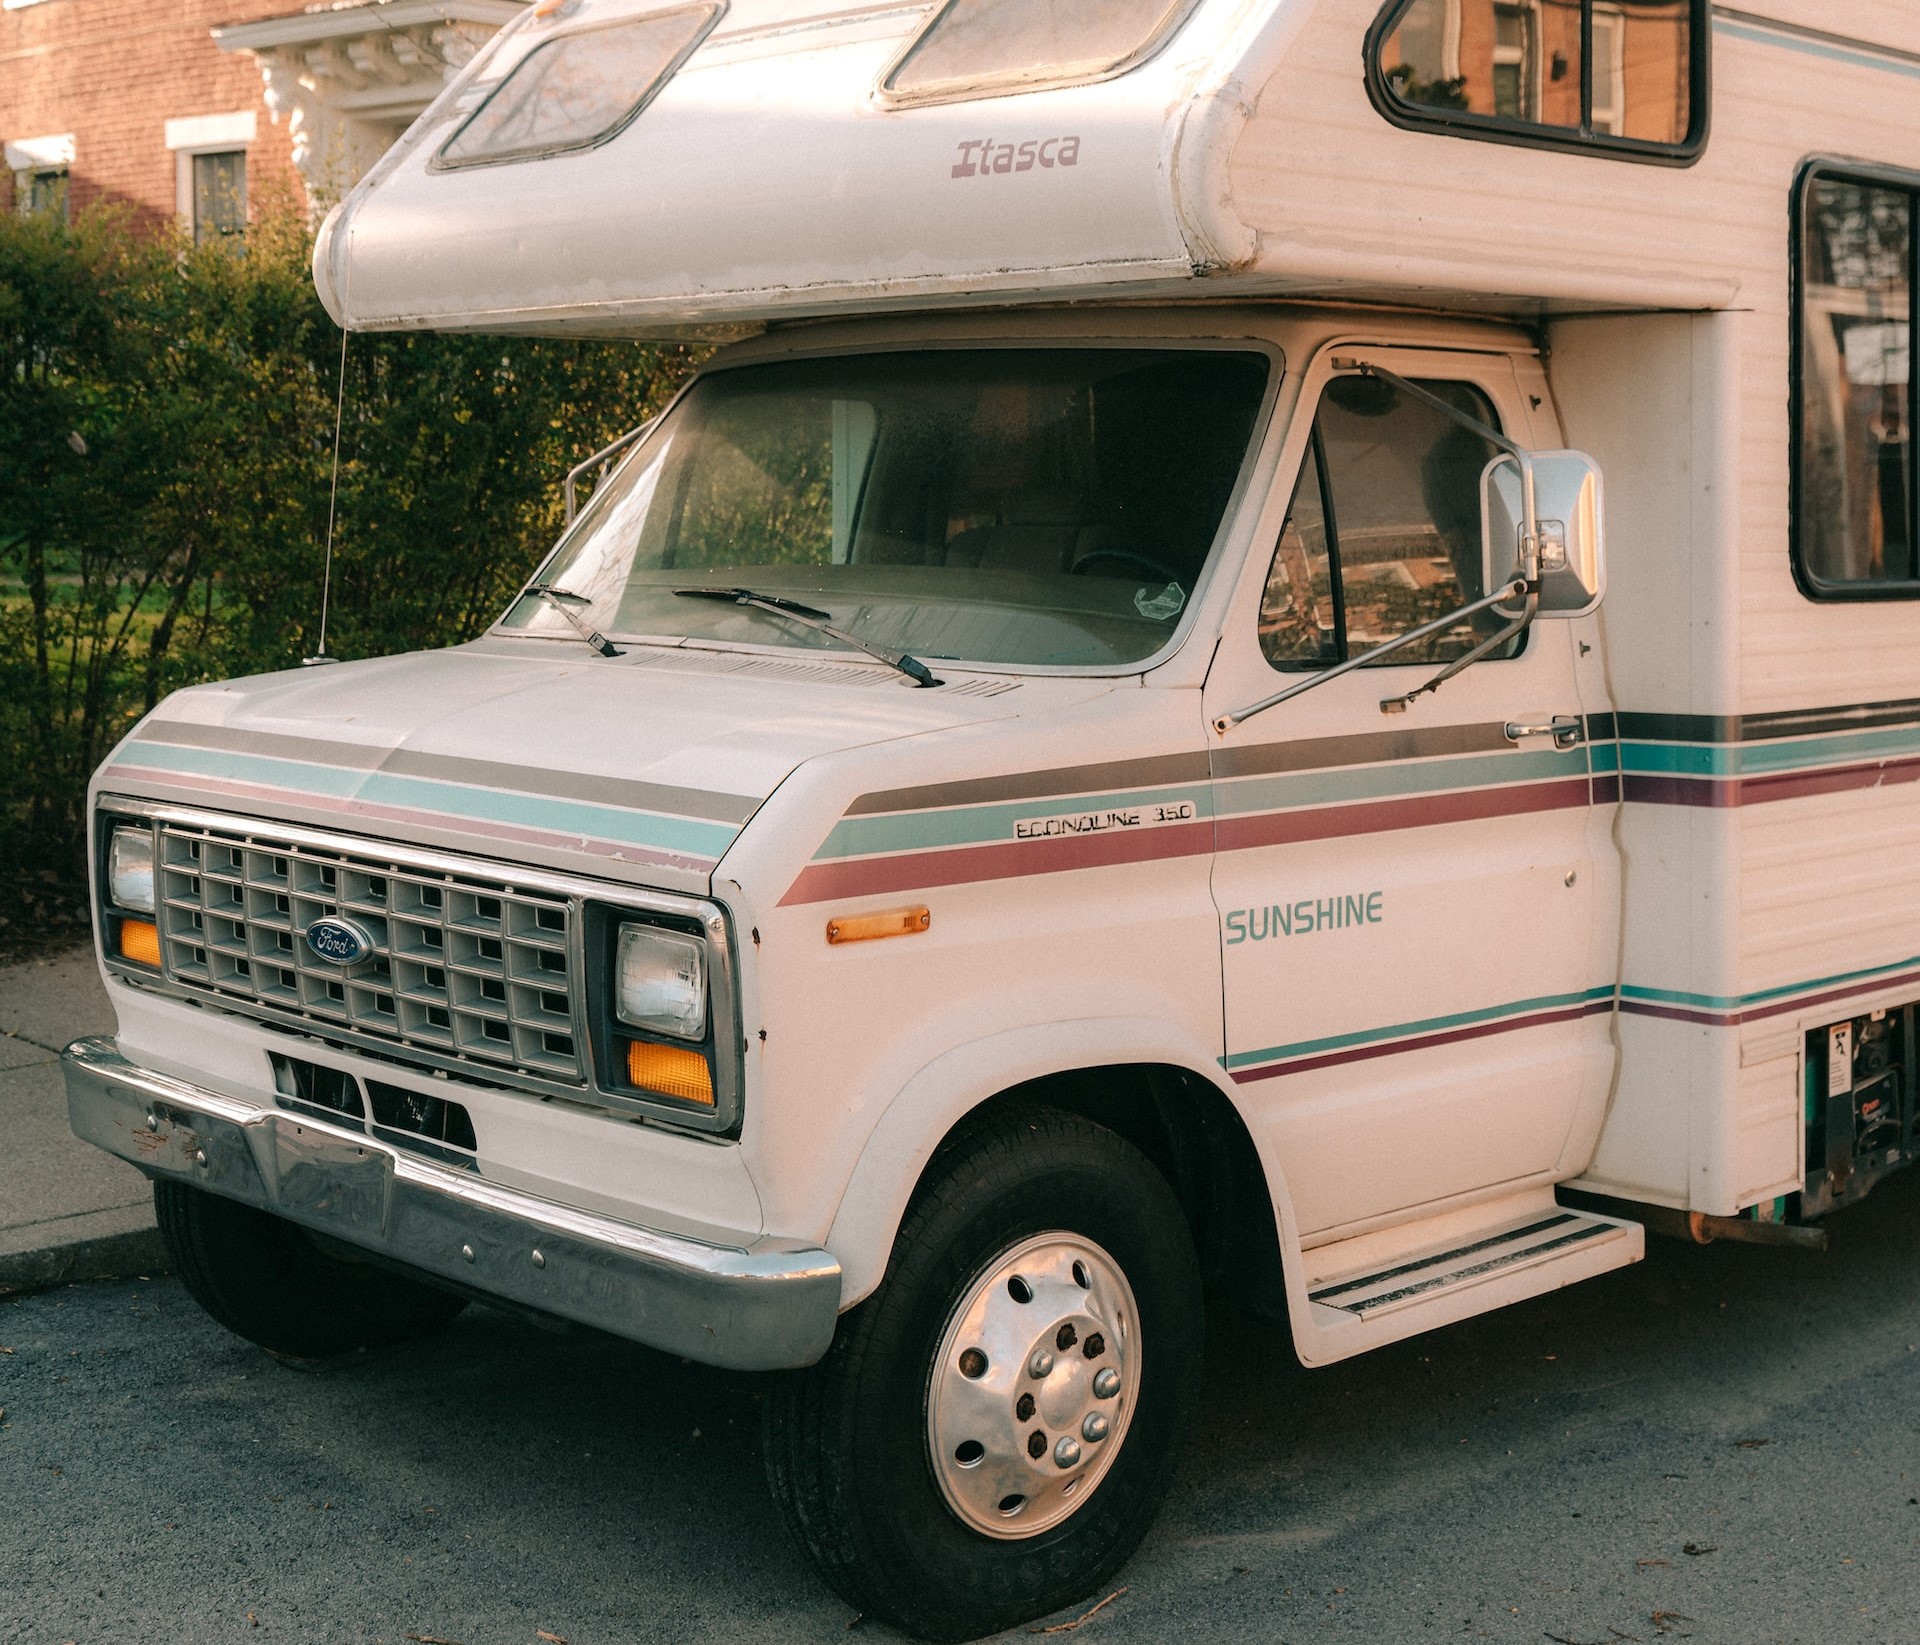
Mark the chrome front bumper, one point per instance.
(759, 1309)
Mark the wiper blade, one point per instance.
(563, 600)
(807, 617)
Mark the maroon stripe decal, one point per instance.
(1773, 1008)
(1382, 816)
(1450, 1036)
(1651, 788)
(1011, 859)
(621, 850)
(1606, 790)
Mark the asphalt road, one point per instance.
(1719, 1444)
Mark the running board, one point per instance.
(1466, 1271)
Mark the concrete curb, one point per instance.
(111, 1256)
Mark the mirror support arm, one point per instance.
(1399, 705)
(1517, 589)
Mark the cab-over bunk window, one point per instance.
(1626, 78)
(1856, 522)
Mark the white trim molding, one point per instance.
(206, 133)
(40, 153)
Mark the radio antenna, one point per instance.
(333, 488)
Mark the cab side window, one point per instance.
(1383, 534)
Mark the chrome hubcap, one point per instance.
(1033, 1385)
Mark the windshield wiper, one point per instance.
(563, 600)
(807, 617)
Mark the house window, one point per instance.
(1856, 527)
(1623, 77)
(219, 195)
(1383, 534)
(210, 158)
(42, 193)
(40, 166)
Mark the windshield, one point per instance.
(1000, 506)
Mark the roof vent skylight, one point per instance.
(579, 89)
(988, 48)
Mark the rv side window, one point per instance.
(1856, 526)
(1626, 77)
(1384, 530)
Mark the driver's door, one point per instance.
(1418, 909)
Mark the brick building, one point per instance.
(195, 111)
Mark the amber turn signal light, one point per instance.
(140, 942)
(671, 1070)
(891, 922)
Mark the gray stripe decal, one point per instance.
(1162, 771)
(1375, 748)
(404, 762)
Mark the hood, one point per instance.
(642, 768)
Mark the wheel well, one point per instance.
(1196, 1140)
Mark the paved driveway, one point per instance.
(1720, 1444)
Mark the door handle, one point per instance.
(1565, 730)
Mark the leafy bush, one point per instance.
(167, 418)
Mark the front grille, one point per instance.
(462, 966)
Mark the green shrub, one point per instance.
(167, 420)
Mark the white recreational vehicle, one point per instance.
(1098, 747)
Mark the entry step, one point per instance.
(1550, 1239)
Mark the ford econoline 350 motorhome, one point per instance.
(955, 850)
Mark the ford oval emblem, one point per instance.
(339, 940)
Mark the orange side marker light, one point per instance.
(891, 922)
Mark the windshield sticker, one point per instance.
(1160, 607)
(1103, 822)
(983, 157)
(1303, 918)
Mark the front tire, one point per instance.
(992, 1432)
(268, 1281)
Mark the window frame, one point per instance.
(1314, 457)
(1836, 169)
(1488, 128)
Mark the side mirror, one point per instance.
(1566, 503)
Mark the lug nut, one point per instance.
(1106, 1384)
(1095, 1427)
(1023, 1408)
(1036, 1445)
(1095, 1346)
(1065, 1338)
(1040, 1364)
(1067, 1452)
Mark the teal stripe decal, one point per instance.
(681, 835)
(1740, 1002)
(1340, 786)
(1411, 1030)
(972, 825)
(1754, 759)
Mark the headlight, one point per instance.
(130, 870)
(660, 982)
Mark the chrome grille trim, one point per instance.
(464, 966)
(525, 887)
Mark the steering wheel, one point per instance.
(1093, 556)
